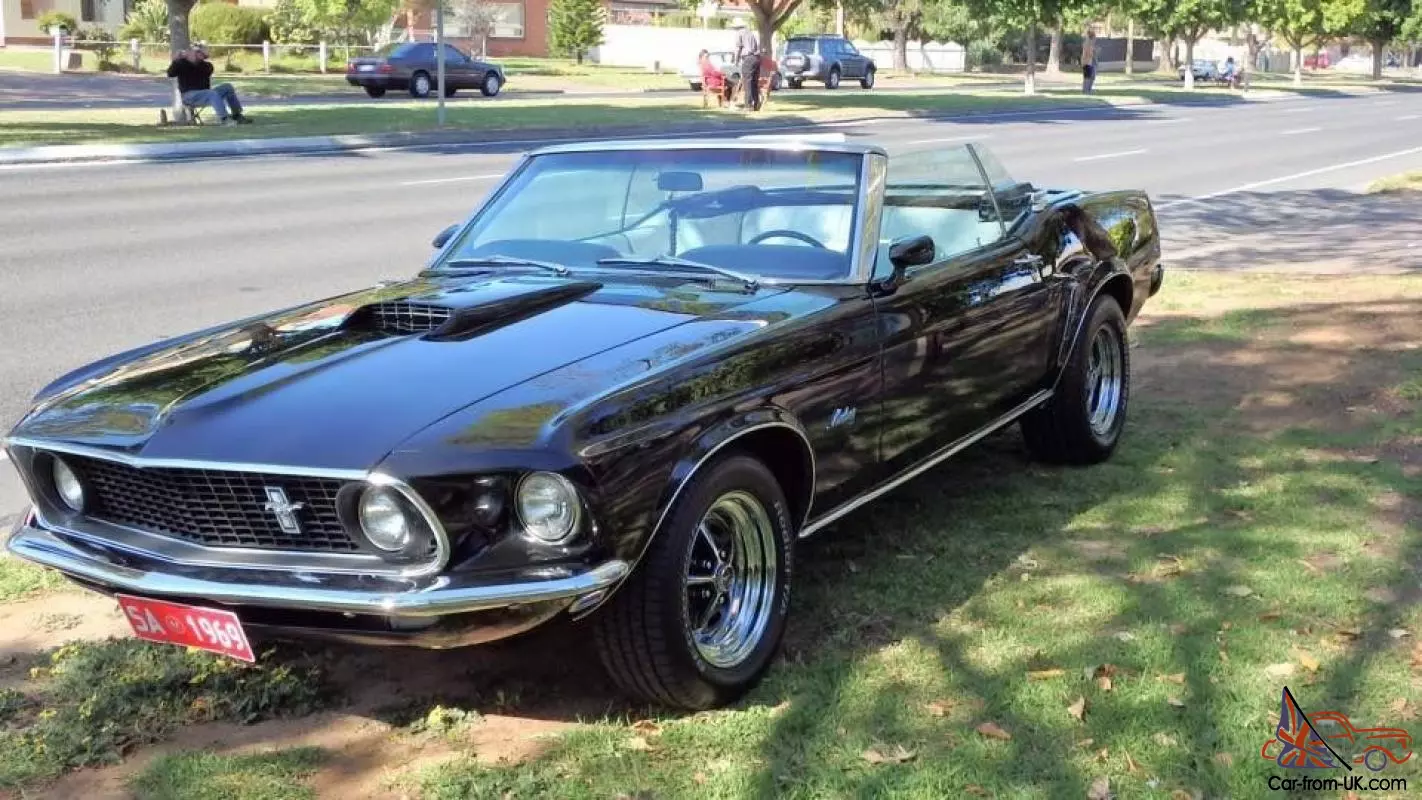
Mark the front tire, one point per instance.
(867, 81)
(695, 87)
(421, 85)
(491, 86)
(1082, 423)
(699, 622)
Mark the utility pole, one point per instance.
(439, 58)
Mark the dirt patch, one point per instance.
(32, 626)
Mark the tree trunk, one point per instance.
(1255, 45)
(1189, 63)
(765, 28)
(1377, 59)
(901, 47)
(1298, 65)
(1054, 54)
(1130, 47)
(1164, 44)
(1029, 85)
(178, 25)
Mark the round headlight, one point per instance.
(547, 506)
(383, 519)
(67, 486)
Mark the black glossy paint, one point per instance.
(624, 382)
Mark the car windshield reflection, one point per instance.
(785, 215)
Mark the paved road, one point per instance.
(103, 257)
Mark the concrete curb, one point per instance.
(305, 145)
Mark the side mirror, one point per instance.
(442, 238)
(911, 251)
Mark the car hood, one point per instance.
(330, 385)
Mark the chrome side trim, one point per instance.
(178, 551)
(925, 465)
(676, 493)
(1081, 324)
(430, 597)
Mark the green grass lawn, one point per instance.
(20, 579)
(586, 115)
(271, 775)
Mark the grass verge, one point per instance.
(585, 115)
(19, 580)
(1406, 182)
(1002, 629)
(94, 701)
(275, 775)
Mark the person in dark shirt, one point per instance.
(194, 74)
(748, 57)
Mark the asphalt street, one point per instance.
(101, 257)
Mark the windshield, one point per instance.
(770, 213)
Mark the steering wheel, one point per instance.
(796, 235)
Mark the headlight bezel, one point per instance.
(572, 498)
(392, 502)
(67, 504)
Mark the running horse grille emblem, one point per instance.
(285, 510)
(842, 416)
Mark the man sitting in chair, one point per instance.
(194, 74)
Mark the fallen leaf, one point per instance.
(1164, 740)
(1403, 710)
(1175, 701)
(699, 778)
(647, 726)
(1100, 789)
(1310, 566)
(1350, 633)
(1283, 670)
(1103, 754)
(1224, 656)
(1181, 794)
(1045, 674)
(1309, 662)
(1178, 629)
(939, 708)
(1270, 616)
(1104, 671)
(994, 731)
(898, 755)
(1084, 743)
(1226, 625)
(638, 743)
(1103, 683)
(1239, 591)
(1078, 709)
(1125, 636)
(1224, 759)
(976, 790)
(1398, 633)
(1240, 514)
(1131, 765)
(1178, 677)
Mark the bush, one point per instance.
(983, 53)
(147, 22)
(51, 19)
(220, 23)
(98, 41)
(291, 24)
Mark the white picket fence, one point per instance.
(922, 56)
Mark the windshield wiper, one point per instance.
(506, 261)
(673, 261)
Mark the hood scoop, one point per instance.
(459, 321)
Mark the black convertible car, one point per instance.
(621, 390)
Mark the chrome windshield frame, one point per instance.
(869, 205)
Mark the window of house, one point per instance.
(86, 11)
(27, 9)
(507, 20)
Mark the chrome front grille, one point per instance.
(402, 317)
(214, 508)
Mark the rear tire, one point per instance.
(1082, 423)
(375, 91)
(795, 83)
(832, 80)
(420, 85)
(699, 622)
(695, 87)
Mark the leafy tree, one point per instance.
(221, 23)
(1029, 14)
(1305, 23)
(345, 21)
(57, 19)
(575, 26)
(477, 17)
(1381, 22)
(291, 24)
(1189, 20)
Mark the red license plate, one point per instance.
(188, 626)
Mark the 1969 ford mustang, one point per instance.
(621, 390)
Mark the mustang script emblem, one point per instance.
(285, 510)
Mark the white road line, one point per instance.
(1297, 131)
(1168, 120)
(3, 457)
(489, 176)
(1100, 156)
(1384, 103)
(1295, 176)
(943, 139)
(1304, 110)
(1406, 117)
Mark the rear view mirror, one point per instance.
(442, 238)
(679, 182)
(912, 251)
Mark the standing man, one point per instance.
(748, 56)
(194, 74)
(1088, 62)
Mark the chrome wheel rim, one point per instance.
(422, 85)
(491, 85)
(1105, 373)
(730, 579)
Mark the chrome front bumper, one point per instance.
(385, 596)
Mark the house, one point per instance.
(519, 28)
(19, 22)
